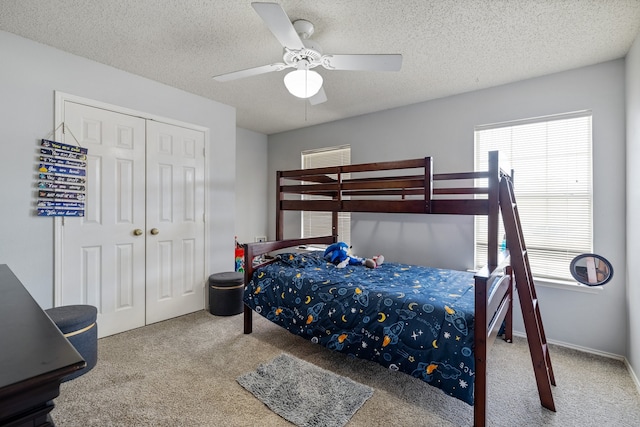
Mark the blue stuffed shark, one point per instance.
(338, 254)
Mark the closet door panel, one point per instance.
(103, 259)
(175, 221)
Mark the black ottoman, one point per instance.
(78, 324)
(225, 293)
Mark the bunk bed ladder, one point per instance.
(527, 294)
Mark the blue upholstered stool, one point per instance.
(78, 324)
(225, 293)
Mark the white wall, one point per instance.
(29, 75)
(251, 185)
(444, 129)
(633, 205)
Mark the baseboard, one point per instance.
(634, 377)
(579, 348)
(623, 359)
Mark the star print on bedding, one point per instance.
(418, 320)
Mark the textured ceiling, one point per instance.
(448, 46)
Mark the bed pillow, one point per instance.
(303, 260)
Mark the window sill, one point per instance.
(568, 286)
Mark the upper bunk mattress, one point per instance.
(418, 320)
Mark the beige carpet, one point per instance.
(182, 372)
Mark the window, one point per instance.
(551, 159)
(319, 223)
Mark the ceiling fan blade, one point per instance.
(362, 62)
(250, 72)
(318, 98)
(279, 23)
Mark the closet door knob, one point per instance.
(137, 232)
(154, 231)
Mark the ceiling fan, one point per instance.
(303, 54)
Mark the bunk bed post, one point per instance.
(248, 319)
(279, 198)
(428, 183)
(481, 320)
(494, 209)
(337, 197)
(508, 320)
(480, 353)
(334, 223)
(248, 272)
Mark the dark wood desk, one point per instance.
(34, 357)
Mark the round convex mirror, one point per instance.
(591, 269)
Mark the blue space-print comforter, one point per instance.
(417, 320)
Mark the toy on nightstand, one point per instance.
(338, 254)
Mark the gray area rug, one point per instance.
(305, 394)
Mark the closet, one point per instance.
(138, 254)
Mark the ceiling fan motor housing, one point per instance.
(312, 53)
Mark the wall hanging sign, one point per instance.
(62, 171)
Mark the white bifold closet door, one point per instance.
(138, 254)
(175, 211)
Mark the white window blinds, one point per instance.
(551, 159)
(319, 223)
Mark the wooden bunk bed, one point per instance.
(410, 186)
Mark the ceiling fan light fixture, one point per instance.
(303, 83)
